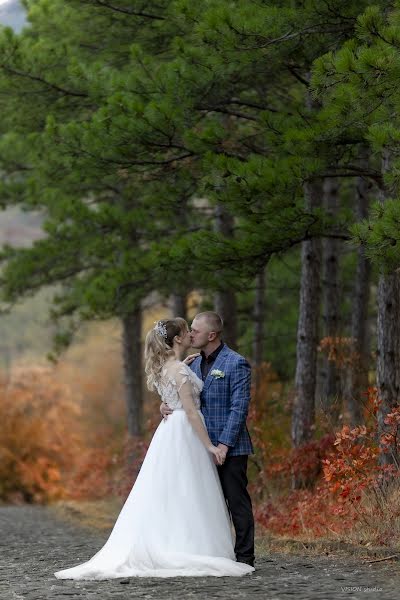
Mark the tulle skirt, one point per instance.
(175, 521)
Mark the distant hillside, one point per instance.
(26, 330)
(19, 228)
(12, 14)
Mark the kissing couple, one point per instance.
(192, 485)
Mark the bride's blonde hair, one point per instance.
(158, 347)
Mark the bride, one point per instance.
(175, 521)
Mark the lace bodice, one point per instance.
(173, 376)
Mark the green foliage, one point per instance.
(358, 85)
(145, 121)
(381, 234)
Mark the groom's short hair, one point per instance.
(213, 319)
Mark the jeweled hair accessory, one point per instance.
(160, 329)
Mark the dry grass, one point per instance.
(94, 514)
(379, 518)
(101, 515)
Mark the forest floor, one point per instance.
(35, 541)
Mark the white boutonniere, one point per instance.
(217, 373)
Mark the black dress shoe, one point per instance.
(247, 561)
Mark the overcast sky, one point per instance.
(12, 14)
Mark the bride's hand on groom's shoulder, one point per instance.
(189, 359)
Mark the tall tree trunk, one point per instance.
(178, 298)
(225, 303)
(330, 375)
(357, 380)
(259, 318)
(133, 372)
(388, 356)
(259, 327)
(178, 305)
(388, 351)
(303, 418)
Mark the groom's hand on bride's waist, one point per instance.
(165, 410)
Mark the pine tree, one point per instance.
(92, 238)
(331, 391)
(367, 69)
(357, 380)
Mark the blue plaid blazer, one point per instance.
(225, 401)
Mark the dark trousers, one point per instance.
(233, 478)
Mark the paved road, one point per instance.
(34, 544)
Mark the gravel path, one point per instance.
(34, 544)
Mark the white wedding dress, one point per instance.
(175, 521)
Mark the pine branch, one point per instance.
(125, 11)
(252, 105)
(289, 35)
(53, 86)
(351, 171)
(231, 113)
(297, 76)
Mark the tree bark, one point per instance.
(259, 319)
(178, 305)
(330, 375)
(225, 303)
(357, 381)
(303, 418)
(178, 298)
(388, 351)
(388, 355)
(133, 372)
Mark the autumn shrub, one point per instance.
(37, 439)
(64, 435)
(339, 350)
(355, 497)
(110, 467)
(274, 462)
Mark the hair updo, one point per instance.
(158, 347)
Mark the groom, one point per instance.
(224, 403)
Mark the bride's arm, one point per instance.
(185, 389)
(185, 395)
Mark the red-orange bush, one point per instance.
(351, 487)
(339, 350)
(62, 440)
(36, 437)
